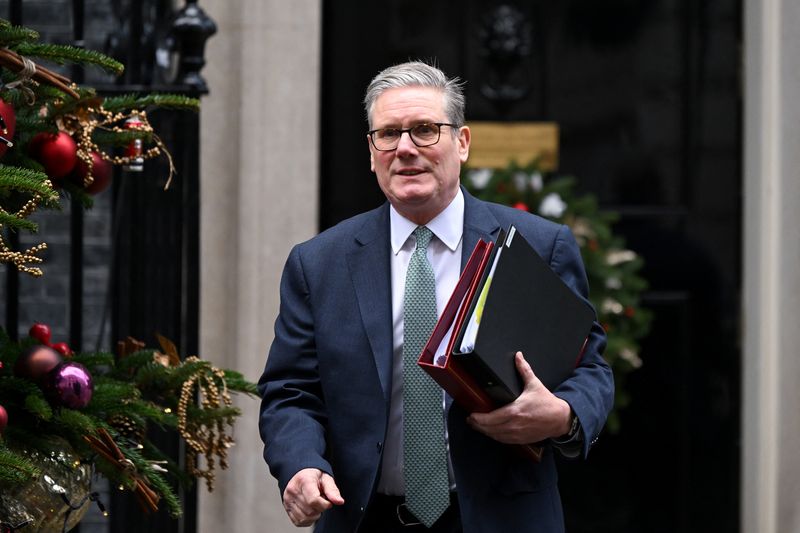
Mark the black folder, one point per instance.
(527, 308)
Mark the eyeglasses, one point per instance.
(427, 134)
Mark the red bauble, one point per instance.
(57, 153)
(3, 418)
(101, 172)
(63, 348)
(10, 120)
(35, 362)
(521, 205)
(40, 332)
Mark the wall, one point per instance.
(771, 305)
(259, 196)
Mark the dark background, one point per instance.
(647, 97)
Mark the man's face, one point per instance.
(419, 182)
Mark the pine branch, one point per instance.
(15, 469)
(13, 35)
(237, 382)
(19, 159)
(87, 98)
(166, 101)
(75, 422)
(62, 54)
(155, 479)
(162, 487)
(153, 375)
(150, 411)
(128, 364)
(30, 123)
(109, 394)
(120, 138)
(25, 180)
(207, 416)
(17, 223)
(36, 405)
(95, 360)
(175, 470)
(12, 386)
(40, 439)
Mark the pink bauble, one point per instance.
(35, 362)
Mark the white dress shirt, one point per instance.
(444, 254)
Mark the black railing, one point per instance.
(152, 279)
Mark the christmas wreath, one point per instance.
(612, 269)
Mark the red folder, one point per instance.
(447, 371)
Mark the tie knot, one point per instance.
(423, 235)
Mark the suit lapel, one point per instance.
(479, 223)
(371, 274)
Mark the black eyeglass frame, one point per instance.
(408, 130)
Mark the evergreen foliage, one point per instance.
(47, 101)
(612, 270)
(131, 392)
(63, 54)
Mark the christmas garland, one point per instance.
(57, 137)
(63, 414)
(613, 270)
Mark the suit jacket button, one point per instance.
(379, 446)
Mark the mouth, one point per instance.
(410, 171)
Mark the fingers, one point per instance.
(498, 417)
(330, 491)
(524, 369)
(308, 494)
(521, 421)
(507, 413)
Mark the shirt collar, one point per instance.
(448, 226)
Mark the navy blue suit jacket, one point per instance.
(326, 386)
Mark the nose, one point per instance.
(405, 145)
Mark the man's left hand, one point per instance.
(535, 416)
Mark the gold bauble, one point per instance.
(56, 500)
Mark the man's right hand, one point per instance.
(310, 493)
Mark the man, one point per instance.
(341, 412)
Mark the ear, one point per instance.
(464, 137)
(371, 155)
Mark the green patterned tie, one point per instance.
(424, 452)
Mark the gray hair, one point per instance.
(418, 74)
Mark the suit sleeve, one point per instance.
(292, 417)
(590, 389)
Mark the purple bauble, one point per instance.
(70, 385)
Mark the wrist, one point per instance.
(567, 420)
